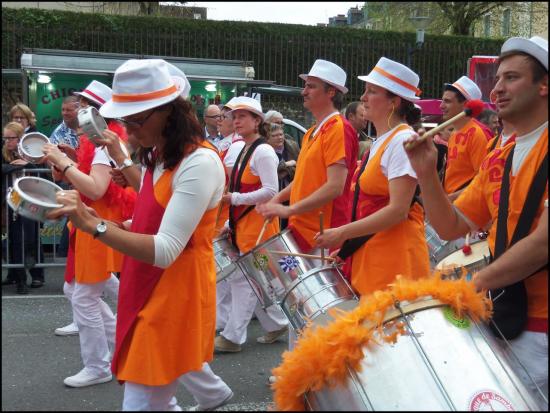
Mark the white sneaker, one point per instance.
(198, 408)
(70, 330)
(83, 378)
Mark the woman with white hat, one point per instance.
(90, 263)
(166, 311)
(253, 180)
(383, 204)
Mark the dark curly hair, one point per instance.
(183, 133)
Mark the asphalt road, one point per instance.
(35, 361)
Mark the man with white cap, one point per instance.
(467, 145)
(509, 193)
(165, 321)
(326, 162)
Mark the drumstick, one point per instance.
(221, 206)
(262, 231)
(472, 109)
(321, 232)
(296, 254)
(466, 249)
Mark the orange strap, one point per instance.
(416, 91)
(139, 97)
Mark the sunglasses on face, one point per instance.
(137, 123)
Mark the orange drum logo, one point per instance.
(15, 198)
(488, 400)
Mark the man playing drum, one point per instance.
(509, 190)
(326, 162)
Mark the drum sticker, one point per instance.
(33, 208)
(489, 400)
(261, 261)
(15, 198)
(288, 263)
(451, 317)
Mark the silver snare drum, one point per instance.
(30, 146)
(92, 124)
(33, 197)
(225, 255)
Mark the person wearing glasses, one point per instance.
(23, 115)
(22, 233)
(90, 266)
(166, 309)
(212, 115)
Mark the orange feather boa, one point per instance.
(322, 354)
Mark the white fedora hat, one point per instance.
(96, 92)
(140, 85)
(230, 103)
(467, 88)
(329, 73)
(246, 103)
(535, 46)
(394, 77)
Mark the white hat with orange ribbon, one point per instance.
(139, 85)
(96, 92)
(466, 87)
(394, 77)
(247, 103)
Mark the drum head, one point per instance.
(32, 143)
(38, 191)
(480, 251)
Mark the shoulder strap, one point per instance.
(501, 240)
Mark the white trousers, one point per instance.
(531, 349)
(236, 302)
(208, 390)
(96, 324)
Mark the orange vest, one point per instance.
(174, 331)
(480, 204)
(466, 150)
(401, 249)
(248, 228)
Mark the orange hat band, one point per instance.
(461, 89)
(140, 97)
(401, 82)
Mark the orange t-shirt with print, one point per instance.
(466, 150)
(479, 202)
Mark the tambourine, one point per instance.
(33, 197)
(30, 146)
(92, 124)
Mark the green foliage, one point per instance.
(279, 51)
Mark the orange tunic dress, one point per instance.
(479, 202)
(466, 150)
(248, 228)
(401, 249)
(166, 318)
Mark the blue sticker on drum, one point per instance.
(451, 316)
(260, 261)
(288, 263)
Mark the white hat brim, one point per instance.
(369, 79)
(521, 44)
(89, 97)
(341, 88)
(120, 109)
(260, 114)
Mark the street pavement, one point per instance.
(35, 361)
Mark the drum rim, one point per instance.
(411, 307)
(89, 120)
(277, 235)
(27, 135)
(29, 198)
(456, 265)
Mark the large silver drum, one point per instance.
(225, 255)
(442, 363)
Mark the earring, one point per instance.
(391, 114)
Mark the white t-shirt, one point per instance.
(233, 153)
(394, 162)
(197, 186)
(101, 156)
(523, 146)
(263, 163)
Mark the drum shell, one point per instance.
(36, 156)
(314, 293)
(92, 124)
(22, 197)
(454, 369)
(225, 256)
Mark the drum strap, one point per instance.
(510, 310)
(235, 185)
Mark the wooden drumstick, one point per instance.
(262, 231)
(472, 109)
(221, 206)
(296, 254)
(321, 232)
(466, 249)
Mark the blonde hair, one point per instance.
(18, 129)
(21, 107)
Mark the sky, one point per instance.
(309, 13)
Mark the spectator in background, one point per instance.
(287, 151)
(211, 116)
(274, 117)
(65, 132)
(490, 118)
(22, 114)
(22, 232)
(355, 114)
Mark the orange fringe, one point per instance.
(322, 354)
